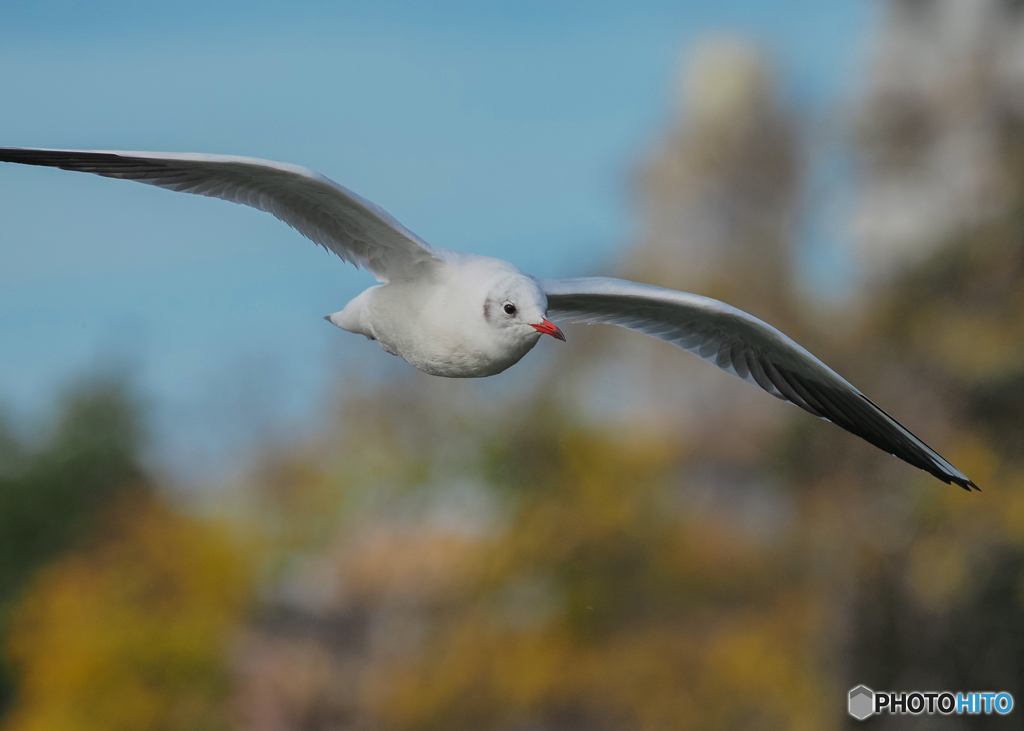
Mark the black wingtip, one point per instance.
(964, 484)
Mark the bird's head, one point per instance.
(517, 307)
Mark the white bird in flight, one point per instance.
(461, 315)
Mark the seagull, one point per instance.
(461, 315)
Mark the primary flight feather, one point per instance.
(461, 315)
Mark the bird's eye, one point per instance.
(510, 309)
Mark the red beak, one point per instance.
(549, 328)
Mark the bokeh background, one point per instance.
(217, 512)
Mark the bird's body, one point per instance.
(461, 315)
(437, 322)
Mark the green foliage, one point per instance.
(51, 495)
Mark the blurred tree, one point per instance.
(586, 597)
(133, 632)
(940, 604)
(943, 87)
(603, 607)
(52, 494)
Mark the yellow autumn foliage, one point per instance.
(602, 604)
(132, 632)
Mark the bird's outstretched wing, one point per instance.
(321, 210)
(746, 347)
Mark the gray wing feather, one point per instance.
(749, 349)
(329, 214)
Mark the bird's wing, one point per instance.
(332, 216)
(746, 347)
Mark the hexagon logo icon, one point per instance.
(862, 702)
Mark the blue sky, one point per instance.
(504, 128)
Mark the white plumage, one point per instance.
(465, 316)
